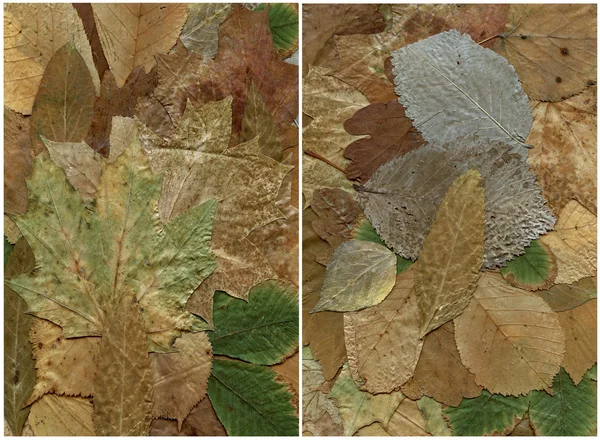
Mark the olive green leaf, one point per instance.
(563, 297)
(592, 373)
(283, 21)
(263, 330)
(435, 423)
(534, 270)
(249, 401)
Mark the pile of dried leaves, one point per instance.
(149, 161)
(449, 228)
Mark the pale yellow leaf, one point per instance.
(62, 416)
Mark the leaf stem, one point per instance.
(324, 159)
(490, 38)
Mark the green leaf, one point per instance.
(488, 414)
(248, 400)
(534, 270)
(283, 21)
(592, 373)
(366, 232)
(8, 247)
(435, 423)
(563, 297)
(570, 412)
(263, 330)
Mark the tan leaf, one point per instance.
(564, 152)
(123, 383)
(573, 243)
(17, 161)
(561, 297)
(62, 416)
(509, 338)
(452, 254)
(439, 372)
(64, 366)
(11, 230)
(581, 330)
(383, 342)
(317, 174)
(133, 33)
(407, 420)
(32, 35)
(337, 212)
(288, 372)
(180, 379)
(552, 47)
(201, 31)
(202, 421)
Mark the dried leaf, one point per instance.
(520, 343)
(523, 428)
(553, 48)
(534, 270)
(580, 325)
(317, 174)
(563, 297)
(17, 161)
(573, 242)
(359, 408)
(63, 416)
(200, 34)
(391, 135)
(402, 197)
(454, 99)
(360, 274)
(202, 421)
(63, 106)
(32, 35)
(132, 34)
(435, 423)
(383, 342)
(439, 372)
(452, 254)
(86, 13)
(123, 383)
(337, 212)
(288, 372)
(407, 421)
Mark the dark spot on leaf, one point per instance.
(558, 79)
(564, 51)
(523, 37)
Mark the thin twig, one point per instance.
(490, 38)
(324, 159)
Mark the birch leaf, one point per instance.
(563, 297)
(17, 162)
(534, 270)
(200, 34)
(375, 337)
(180, 379)
(132, 34)
(452, 254)
(32, 35)
(360, 274)
(580, 325)
(64, 104)
(445, 83)
(553, 48)
(520, 343)
(54, 415)
(402, 197)
(573, 242)
(123, 383)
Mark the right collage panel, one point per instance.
(449, 224)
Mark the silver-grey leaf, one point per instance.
(402, 197)
(452, 87)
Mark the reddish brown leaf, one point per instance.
(17, 161)
(84, 10)
(337, 212)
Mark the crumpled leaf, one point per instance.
(552, 47)
(578, 406)
(360, 274)
(534, 270)
(580, 325)
(63, 366)
(249, 401)
(426, 174)
(132, 34)
(383, 342)
(521, 343)
(564, 153)
(440, 373)
(32, 35)
(19, 372)
(391, 135)
(573, 242)
(263, 330)
(452, 254)
(201, 421)
(63, 416)
(563, 297)
(453, 98)
(123, 383)
(359, 408)
(180, 379)
(488, 414)
(64, 104)
(200, 34)
(435, 423)
(17, 161)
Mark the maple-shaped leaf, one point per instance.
(200, 34)
(17, 161)
(534, 270)
(402, 197)
(88, 253)
(63, 416)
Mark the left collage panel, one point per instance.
(151, 219)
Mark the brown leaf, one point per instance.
(337, 212)
(63, 107)
(62, 416)
(581, 330)
(439, 372)
(391, 135)
(17, 161)
(288, 372)
(407, 421)
(564, 153)
(383, 342)
(85, 12)
(132, 34)
(202, 421)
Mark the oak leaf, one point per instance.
(54, 415)
(200, 34)
(201, 421)
(17, 161)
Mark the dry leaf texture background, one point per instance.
(462, 139)
(151, 219)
